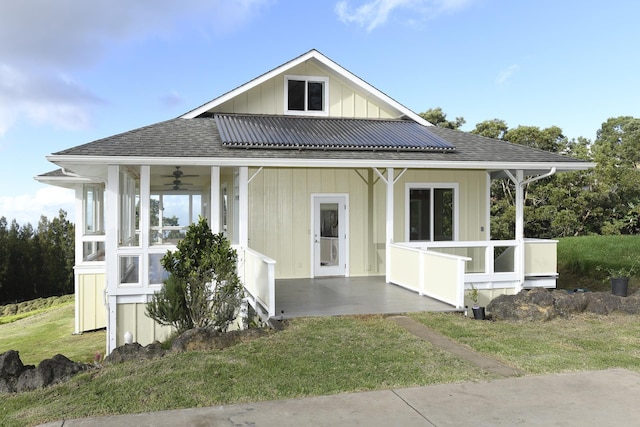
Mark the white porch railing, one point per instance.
(491, 264)
(257, 273)
(428, 272)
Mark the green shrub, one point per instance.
(203, 288)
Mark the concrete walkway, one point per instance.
(601, 398)
(488, 364)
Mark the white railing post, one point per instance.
(489, 265)
(271, 277)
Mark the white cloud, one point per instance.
(46, 201)
(374, 13)
(172, 99)
(506, 74)
(43, 99)
(42, 43)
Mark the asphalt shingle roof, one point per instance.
(200, 137)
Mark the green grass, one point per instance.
(46, 332)
(321, 356)
(315, 356)
(580, 257)
(584, 342)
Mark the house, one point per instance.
(310, 172)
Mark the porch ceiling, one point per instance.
(353, 295)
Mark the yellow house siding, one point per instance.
(280, 217)
(268, 97)
(90, 293)
(131, 317)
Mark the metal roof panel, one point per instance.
(261, 131)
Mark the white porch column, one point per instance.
(519, 225)
(79, 228)
(520, 184)
(111, 247)
(145, 219)
(243, 206)
(389, 224)
(214, 203)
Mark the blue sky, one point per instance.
(72, 71)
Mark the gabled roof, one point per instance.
(323, 61)
(294, 141)
(261, 131)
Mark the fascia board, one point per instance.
(357, 81)
(318, 163)
(61, 179)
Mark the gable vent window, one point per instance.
(306, 95)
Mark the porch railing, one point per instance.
(494, 264)
(428, 272)
(257, 272)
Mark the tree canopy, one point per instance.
(36, 263)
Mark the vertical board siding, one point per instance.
(131, 317)
(268, 98)
(280, 217)
(93, 314)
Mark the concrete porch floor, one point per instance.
(348, 295)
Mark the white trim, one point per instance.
(214, 201)
(243, 206)
(307, 79)
(344, 243)
(431, 185)
(307, 163)
(389, 221)
(488, 208)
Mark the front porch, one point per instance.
(432, 276)
(348, 295)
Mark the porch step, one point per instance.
(488, 364)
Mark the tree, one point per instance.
(203, 288)
(617, 153)
(36, 263)
(495, 129)
(437, 117)
(549, 139)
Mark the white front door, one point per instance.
(329, 243)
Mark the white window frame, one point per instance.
(430, 186)
(195, 211)
(307, 79)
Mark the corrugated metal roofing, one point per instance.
(261, 131)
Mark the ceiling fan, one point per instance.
(177, 183)
(177, 174)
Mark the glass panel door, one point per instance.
(329, 244)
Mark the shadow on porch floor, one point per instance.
(348, 295)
